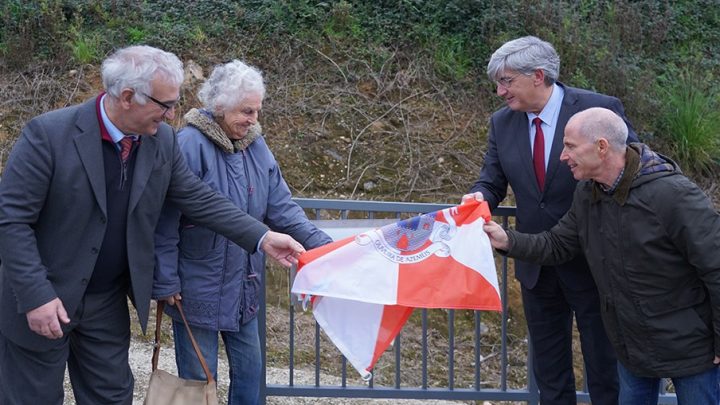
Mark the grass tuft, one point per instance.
(690, 122)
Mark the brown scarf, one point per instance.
(207, 125)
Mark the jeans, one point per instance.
(243, 352)
(698, 389)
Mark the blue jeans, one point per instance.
(243, 352)
(698, 389)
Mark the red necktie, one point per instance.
(125, 148)
(539, 153)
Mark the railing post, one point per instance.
(262, 328)
(532, 384)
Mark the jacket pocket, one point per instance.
(196, 242)
(688, 297)
(678, 326)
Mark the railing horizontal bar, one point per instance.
(419, 393)
(383, 392)
(384, 206)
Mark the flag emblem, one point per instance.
(409, 234)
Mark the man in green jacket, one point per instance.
(651, 238)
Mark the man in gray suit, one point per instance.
(80, 197)
(524, 145)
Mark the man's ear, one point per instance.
(126, 97)
(539, 77)
(603, 146)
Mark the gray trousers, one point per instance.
(95, 351)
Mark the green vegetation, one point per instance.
(689, 121)
(85, 48)
(625, 48)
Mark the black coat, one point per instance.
(653, 250)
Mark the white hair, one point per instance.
(229, 84)
(525, 55)
(135, 67)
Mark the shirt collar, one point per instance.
(112, 130)
(610, 190)
(551, 110)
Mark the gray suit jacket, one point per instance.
(53, 215)
(508, 161)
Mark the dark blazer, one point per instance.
(53, 215)
(508, 161)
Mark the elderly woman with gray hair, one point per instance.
(218, 281)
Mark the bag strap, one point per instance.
(156, 349)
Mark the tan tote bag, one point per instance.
(167, 389)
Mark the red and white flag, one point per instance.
(364, 288)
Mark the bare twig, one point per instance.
(328, 58)
(362, 131)
(358, 181)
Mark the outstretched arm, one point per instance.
(281, 247)
(498, 237)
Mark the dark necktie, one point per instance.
(539, 153)
(125, 148)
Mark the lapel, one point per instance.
(568, 108)
(521, 140)
(144, 162)
(88, 144)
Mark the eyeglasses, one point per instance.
(506, 82)
(167, 106)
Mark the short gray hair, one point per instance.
(597, 122)
(229, 84)
(525, 55)
(136, 67)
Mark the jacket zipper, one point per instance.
(250, 189)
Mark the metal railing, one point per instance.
(355, 212)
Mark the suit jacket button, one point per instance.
(103, 220)
(84, 281)
(94, 251)
(542, 205)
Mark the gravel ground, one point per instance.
(141, 353)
